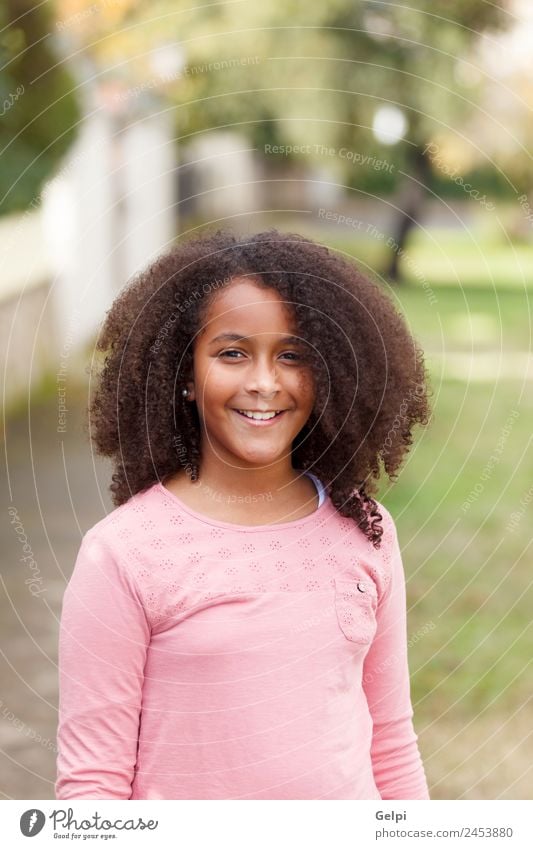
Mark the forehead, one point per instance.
(245, 307)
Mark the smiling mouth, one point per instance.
(258, 417)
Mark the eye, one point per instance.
(233, 354)
(230, 351)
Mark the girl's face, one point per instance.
(248, 359)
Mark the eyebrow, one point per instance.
(238, 337)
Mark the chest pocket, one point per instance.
(355, 604)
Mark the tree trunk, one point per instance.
(411, 203)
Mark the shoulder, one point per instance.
(106, 562)
(123, 524)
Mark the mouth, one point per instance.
(259, 418)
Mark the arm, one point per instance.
(103, 642)
(397, 766)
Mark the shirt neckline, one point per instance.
(207, 520)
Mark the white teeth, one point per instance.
(254, 415)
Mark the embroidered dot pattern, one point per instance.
(195, 558)
(176, 520)
(180, 562)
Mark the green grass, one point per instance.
(476, 319)
(446, 258)
(467, 573)
(448, 461)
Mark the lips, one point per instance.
(260, 422)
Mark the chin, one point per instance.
(264, 460)
(261, 459)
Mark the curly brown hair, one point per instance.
(371, 384)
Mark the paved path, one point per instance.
(48, 478)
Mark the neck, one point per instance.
(270, 482)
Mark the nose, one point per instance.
(263, 378)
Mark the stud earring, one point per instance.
(184, 392)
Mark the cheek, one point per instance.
(217, 383)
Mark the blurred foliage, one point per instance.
(302, 74)
(487, 180)
(38, 107)
(312, 77)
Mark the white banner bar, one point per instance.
(269, 824)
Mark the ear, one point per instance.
(192, 395)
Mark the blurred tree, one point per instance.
(38, 109)
(420, 57)
(287, 72)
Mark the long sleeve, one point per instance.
(103, 640)
(396, 762)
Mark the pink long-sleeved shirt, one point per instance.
(206, 660)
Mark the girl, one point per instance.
(236, 627)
